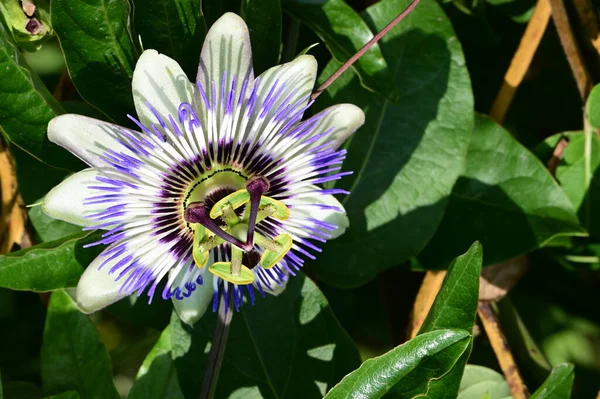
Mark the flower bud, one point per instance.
(28, 21)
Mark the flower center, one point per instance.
(228, 215)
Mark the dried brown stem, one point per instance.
(364, 49)
(521, 60)
(431, 285)
(569, 44)
(13, 217)
(557, 155)
(502, 350)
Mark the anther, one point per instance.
(196, 212)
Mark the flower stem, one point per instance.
(217, 349)
(364, 49)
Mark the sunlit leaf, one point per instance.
(344, 32)
(48, 266)
(455, 306)
(285, 346)
(408, 155)
(406, 370)
(505, 198)
(558, 385)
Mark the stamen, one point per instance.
(256, 187)
(196, 213)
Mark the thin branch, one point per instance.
(217, 350)
(502, 350)
(364, 49)
(567, 40)
(521, 60)
(431, 285)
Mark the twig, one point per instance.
(502, 350)
(364, 49)
(521, 60)
(431, 285)
(587, 15)
(557, 155)
(567, 40)
(217, 350)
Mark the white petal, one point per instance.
(297, 78)
(191, 309)
(87, 138)
(66, 201)
(342, 119)
(159, 81)
(226, 50)
(302, 209)
(96, 288)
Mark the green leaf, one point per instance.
(289, 345)
(48, 266)
(172, 27)
(408, 155)
(26, 107)
(479, 381)
(95, 39)
(574, 179)
(558, 385)
(157, 377)
(264, 23)
(592, 107)
(49, 229)
(505, 198)
(455, 306)
(344, 32)
(73, 356)
(406, 370)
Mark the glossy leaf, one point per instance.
(95, 39)
(73, 356)
(157, 377)
(407, 369)
(48, 266)
(26, 107)
(479, 381)
(592, 107)
(264, 23)
(505, 198)
(558, 385)
(344, 32)
(285, 346)
(455, 306)
(172, 27)
(571, 174)
(407, 156)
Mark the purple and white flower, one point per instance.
(216, 189)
